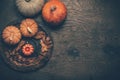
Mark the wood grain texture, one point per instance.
(87, 47)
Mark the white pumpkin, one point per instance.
(29, 7)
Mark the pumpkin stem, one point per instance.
(11, 38)
(53, 8)
(29, 30)
(27, 0)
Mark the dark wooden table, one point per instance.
(87, 47)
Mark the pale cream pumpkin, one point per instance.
(28, 27)
(29, 7)
(11, 35)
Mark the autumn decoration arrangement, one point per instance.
(27, 45)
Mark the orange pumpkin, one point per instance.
(28, 27)
(54, 12)
(11, 35)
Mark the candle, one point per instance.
(27, 49)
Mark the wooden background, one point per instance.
(87, 47)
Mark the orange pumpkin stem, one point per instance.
(11, 38)
(53, 8)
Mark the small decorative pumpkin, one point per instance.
(28, 27)
(54, 12)
(29, 7)
(11, 35)
(27, 49)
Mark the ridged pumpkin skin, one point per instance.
(28, 27)
(29, 7)
(54, 12)
(11, 35)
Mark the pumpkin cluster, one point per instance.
(12, 35)
(53, 12)
(37, 51)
